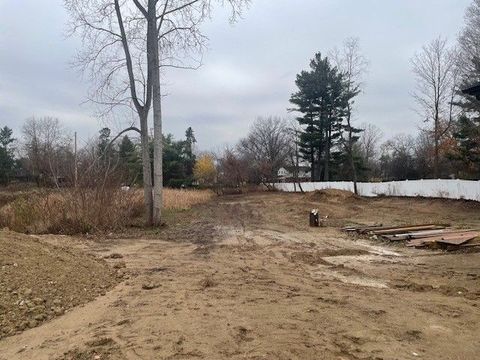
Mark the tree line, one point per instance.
(45, 154)
(448, 143)
(324, 136)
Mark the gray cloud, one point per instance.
(249, 70)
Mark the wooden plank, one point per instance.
(360, 227)
(470, 244)
(417, 243)
(413, 235)
(453, 239)
(441, 232)
(458, 240)
(426, 234)
(365, 229)
(465, 234)
(402, 230)
(381, 228)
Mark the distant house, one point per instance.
(287, 173)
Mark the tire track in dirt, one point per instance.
(239, 282)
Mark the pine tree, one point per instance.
(7, 160)
(189, 155)
(321, 101)
(103, 140)
(130, 161)
(467, 136)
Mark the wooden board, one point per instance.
(425, 234)
(417, 243)
(406, 229)
(451, 239)
(458, 240)
(382, 228)
(414, 235)
(471, 244)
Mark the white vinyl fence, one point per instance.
(441, 188)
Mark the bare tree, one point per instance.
(398, 158)
(232, 170)
(469, 43)
(114, 58)
(294, 131)
(47, 148)
(436, 72)
(267, 146)
(353, 65)
(369, 143)
(125, 45)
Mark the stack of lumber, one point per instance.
(422, 235)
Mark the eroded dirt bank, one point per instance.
(39, 281)
(243, 277)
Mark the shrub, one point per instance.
(72, 211)
(80, 211)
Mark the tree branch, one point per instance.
(128, 58)
(141, 8)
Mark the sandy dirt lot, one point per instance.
(244, 277)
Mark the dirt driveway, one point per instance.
(243, 277)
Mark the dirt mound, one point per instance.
(333, 195)
(39, 281)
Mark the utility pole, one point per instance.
(75, 161)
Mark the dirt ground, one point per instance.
(39, 281)
(244, 277)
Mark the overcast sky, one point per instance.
(249, 69)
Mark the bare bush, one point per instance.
(72, 211)
(48, 152)
(87, 210)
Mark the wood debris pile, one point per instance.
(419, 236)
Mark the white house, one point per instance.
(286, 173)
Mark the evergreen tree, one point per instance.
(7, 160)
(106, 152)
(130, 161)
(467, 136)
(310, 137)
(103, 140)
(174, 174)
(322, 102)
(178, 160)
(189, 155)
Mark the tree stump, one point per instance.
(314, 221)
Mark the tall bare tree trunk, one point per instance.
(154, 61)
(436, 138)
(143, 115)
(147, 169)
(436, 155)
(350, 150)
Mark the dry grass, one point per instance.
(74, 211)
(184, 199)
(71, 211)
